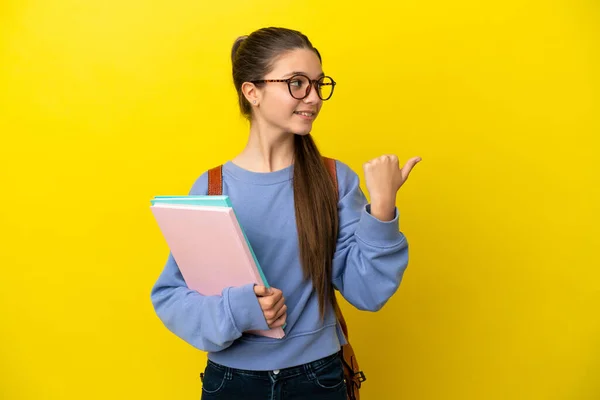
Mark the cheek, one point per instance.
(280, 105)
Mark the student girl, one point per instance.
(309, 240)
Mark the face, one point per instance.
(277, 107)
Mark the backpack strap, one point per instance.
(331, 168)
(215, 181)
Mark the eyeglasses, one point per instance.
(300, 86)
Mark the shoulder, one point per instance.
(200, 185)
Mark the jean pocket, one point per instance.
(214, 378)
(330, 376)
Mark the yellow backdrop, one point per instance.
(104, 104)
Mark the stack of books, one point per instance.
(209, 245)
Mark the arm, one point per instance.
(209, 323)
(371, 253)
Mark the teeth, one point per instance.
(306, 114)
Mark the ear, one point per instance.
(251, 93)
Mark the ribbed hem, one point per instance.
(270, 354)
(379, 233)
(245, 309)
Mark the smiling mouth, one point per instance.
(305, 113)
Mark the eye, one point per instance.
(296, 83)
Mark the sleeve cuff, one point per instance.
(379, 233)
(245, 309)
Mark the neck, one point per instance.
(267, 149)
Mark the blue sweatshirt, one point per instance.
(369, 262)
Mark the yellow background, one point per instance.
(104, 104)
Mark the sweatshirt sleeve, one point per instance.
(209, 323)
(371, 255)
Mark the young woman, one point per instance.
(308, 239)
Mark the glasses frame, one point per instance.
(312, 82)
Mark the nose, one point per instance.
(312, 97)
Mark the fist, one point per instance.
(383, 178)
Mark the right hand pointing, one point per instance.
(272, 304)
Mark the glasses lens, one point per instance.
(299, 86)
(325, 86)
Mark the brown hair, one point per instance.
(315, 196)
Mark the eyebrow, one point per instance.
(303, 73)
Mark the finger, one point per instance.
(274, 299)
(271, 303)
(409, 166)
(280, 312)
(279, 322)
(275, 306)
(273, 315)
(261, 291)
(272, 312)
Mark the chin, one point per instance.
(302, 130)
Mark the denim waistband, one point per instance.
(282, 373)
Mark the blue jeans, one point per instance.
(319, 380)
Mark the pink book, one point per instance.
(210, 249)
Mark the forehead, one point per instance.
(298, 60)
